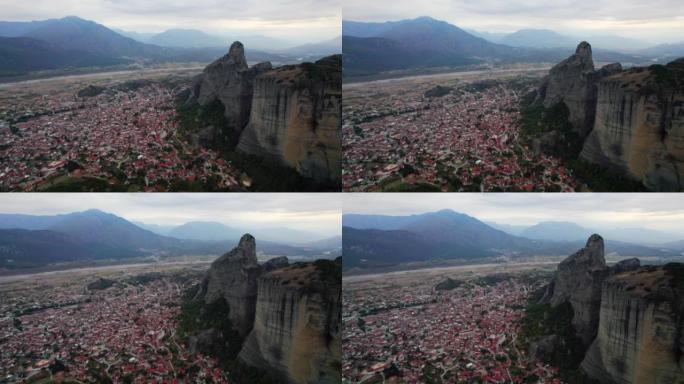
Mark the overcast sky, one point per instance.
(301, 20)
(654, 20)
(314, 212)
(604, 210)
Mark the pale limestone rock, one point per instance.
(297, 331)
(233, 277)
(640, 338)
(295, 118)
(230, 81)
(578, 280)
(639, 128)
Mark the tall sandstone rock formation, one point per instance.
(291, 114)
(295, 118)
(230, 81)
(578, 281)
(297, 327)
(573, 82)
(640, 338)
(630, 318)
(639, 128)
(287, 316)
(233, 277)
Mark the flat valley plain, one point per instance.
(400, 326)
(454, 131)
(119, 134)
(117, 322)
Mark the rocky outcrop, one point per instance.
(631, 318)
(640, 338)
(296, 331)
(625, 266)
(448, 284)
(230, 81)
(578, 281)
(569, 82)
(233, 278)
(573, 82)
(282, 319)
(295, 118)
(275, 263)
(639, 128)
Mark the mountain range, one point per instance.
(74, 42)
(215, 231)
(568, 231)
(377, 240)
(30, 241)
(425, 42)
(193, 38)
(546, 38)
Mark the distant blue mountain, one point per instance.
(378, 240)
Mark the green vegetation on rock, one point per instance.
(266, 174)
(83, 184)
(90, 91)
(542, 320)
(448, 284)
(195, 118)
(196, 316)
(536, 121)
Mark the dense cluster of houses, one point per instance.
(410, 332)
(124, 333)
(122, 136)
(466, 140)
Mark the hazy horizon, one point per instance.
(658, 22)
(296, 21)
(663, 212)
(310, 212)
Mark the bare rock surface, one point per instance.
(295, 118)
(639, 128)
(233, 277)
(275, 263)
(229, 80)
(297, 331)
(574, 82)
(578, 281)
(640, 337)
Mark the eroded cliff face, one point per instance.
(640, 338)
(573, 82)
(284, 320)
(639, 127)
(570, 82)
(578, 281)
(229, 80)
(296, 332)
(295, 118)
(233, 278)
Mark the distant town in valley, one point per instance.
(432, 107)
(85, 107)
(94, 297)
(444, 297)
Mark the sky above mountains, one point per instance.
(294, 20)
(603, 210)
(311, 212)
(657, 21)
